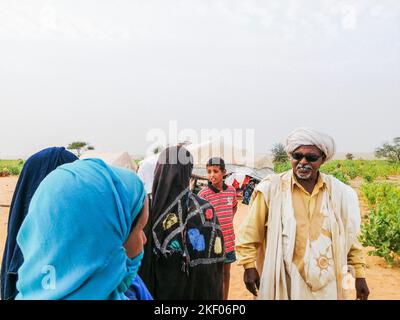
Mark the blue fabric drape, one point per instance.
(138, 290)
(72, 238)
(35, 169)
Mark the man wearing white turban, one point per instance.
(301, 231)
(311, 137)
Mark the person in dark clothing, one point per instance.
(184, 254)
(35, 169)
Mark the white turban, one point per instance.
(310, 137)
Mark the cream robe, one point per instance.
(280, 278)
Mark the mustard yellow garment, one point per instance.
(309, 226)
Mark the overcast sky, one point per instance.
(107, 72)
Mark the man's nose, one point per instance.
(303, 161)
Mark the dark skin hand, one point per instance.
(252, 280)
(362, 289)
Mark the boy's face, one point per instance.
(215, 174)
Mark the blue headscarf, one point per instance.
(72, 239)
(35, 169)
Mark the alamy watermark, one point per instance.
(49, 279)
(237, 145)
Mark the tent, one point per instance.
(241, 165)
(238, 161)
(121, 159)
(231, 154)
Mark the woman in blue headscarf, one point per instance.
(35, 169)
(83, 236)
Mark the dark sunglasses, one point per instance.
(310, 157)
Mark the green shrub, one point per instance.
(352, 173)
(14, 170)
(382, 228)
(341, 176)
(368, 178)
(4, 172)
(282, 167)
(346, 170)
(11, 167)
(371, 169)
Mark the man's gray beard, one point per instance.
(304, 177)
(308, 175)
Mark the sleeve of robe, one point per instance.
(252, 234)
(355, 256)
(356, 259)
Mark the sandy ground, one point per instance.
(383, 281)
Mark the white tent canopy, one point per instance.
(239, 162)
(202, 152)
(231, 154)
(120, 159)
(263, 161)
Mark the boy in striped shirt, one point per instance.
(223, 199)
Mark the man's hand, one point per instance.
(362, 289)
(252, 280)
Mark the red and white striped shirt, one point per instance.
(224, 203)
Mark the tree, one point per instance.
(390, 151)
(79, 147)
(349, 156)
(279, 153)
